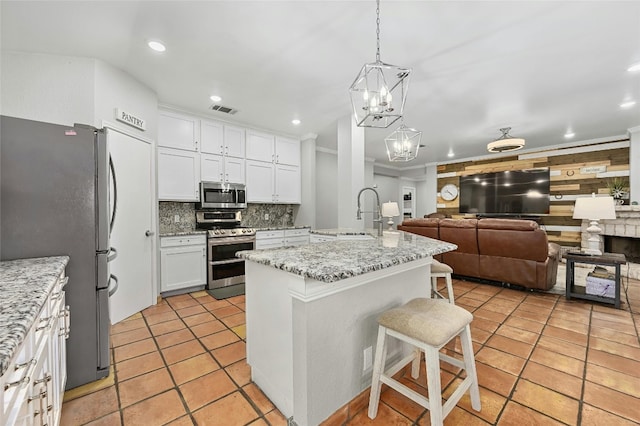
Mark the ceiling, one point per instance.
(542, 68)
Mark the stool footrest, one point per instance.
(456, 396)
(398, 365)
(405, 390)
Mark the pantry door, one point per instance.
(133, 233)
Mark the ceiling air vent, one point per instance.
(224, 109)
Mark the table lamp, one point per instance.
(390, 210)
(594, 209)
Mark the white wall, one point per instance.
(117, 89)
(634, 164)
(307, 210)
(49, 88)
(326, 190)
(389, 189)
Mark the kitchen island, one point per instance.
(311, 315)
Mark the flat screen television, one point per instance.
(509, 193)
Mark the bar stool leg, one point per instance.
(433, 385)
(449, 288)
(378, 370)
(470, 367)
(415, 364)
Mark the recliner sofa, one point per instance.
(513, 251)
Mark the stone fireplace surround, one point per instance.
(627, 224)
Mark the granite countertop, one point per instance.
(24, 286)
(344, 231)
(282, 228)
(184, 233)
(337, 260)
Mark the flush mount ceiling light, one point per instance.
(506, 142)
(403, 144)
(379, 91)
(295, 122)
(215, 98)
(634, 67)
(627, 104)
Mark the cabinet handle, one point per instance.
(273, 158)
(45, 379)
(221, 149)
(196, 145)
(49, 323)
(227, 150)
(64, 281)
(28, 366)
(278, 158)
(221, 177)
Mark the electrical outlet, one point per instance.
(368, 359)
(266, 216)
(176, 218)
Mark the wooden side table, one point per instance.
(605, 259)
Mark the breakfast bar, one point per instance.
(311, 315)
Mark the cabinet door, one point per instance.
(178, 131)
(178, 175)
(183, 267)
(234, 170)
(287, 184)
(211, 137)
(287, 151)
(260, 146)
(211, 168)
(234, 141)
(259, 182)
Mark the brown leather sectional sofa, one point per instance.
(510, 251)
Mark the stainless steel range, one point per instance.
(225, 272)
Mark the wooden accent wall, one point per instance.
(569, 178)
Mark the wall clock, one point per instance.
(449, 192)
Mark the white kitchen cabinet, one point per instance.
(222, 139)
(282, 238)
(321, 238)
(260, 146)
(272, 183)
(183, 262)
(260, 182)
(287, 151)
(178, 131)
(219, 168)
(269, 239)
(33, 385)
(178, 175)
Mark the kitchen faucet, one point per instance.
(378, 217)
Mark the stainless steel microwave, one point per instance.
(215, 195)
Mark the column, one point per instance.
(350, 171)
(634, 164)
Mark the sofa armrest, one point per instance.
(554, 251)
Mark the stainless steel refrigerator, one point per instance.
(58, 197)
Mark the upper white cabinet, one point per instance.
(287, 184)
(178, 131)
(287, 151)
(260, 182)
(178, 175)
(260, 146)
(223, 151)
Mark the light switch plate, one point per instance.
(176, 218)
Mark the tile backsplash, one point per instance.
(255, 216)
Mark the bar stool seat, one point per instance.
(441, 270)
(428, 325)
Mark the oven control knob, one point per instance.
(216, 232)
(233, 231)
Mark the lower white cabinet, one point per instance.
(32, 387)
(183, 262)
(282, 238)
(321, 238)
(178, 175)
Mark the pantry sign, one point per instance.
(130, 119)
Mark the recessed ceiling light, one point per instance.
(157, 46)
(627, 104)
(295, 121)
(450, 153)
(215, 98)
(634, 67)
(569, 135)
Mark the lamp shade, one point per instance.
(594, 208)
(390, 209)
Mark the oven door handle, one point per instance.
(225, 262)
(230, 240)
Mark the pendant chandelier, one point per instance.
(403, 143)
(379, 91)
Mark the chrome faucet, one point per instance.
(378, 212)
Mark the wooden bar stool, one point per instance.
(441, 270)
(426, 324)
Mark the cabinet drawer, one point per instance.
(296, 232)
(299, 240)
(260, 235)
(186, 240)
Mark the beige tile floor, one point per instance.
(540, 360)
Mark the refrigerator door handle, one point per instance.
(115, 287)
(115, 194)
(113, 253)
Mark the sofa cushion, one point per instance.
(512, 238)
(424, 227)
